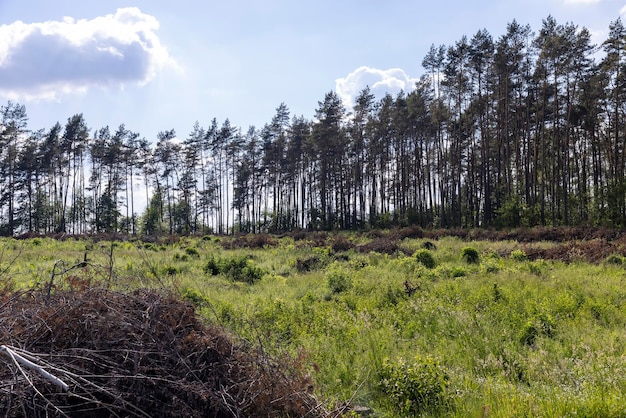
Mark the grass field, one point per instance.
(443, 327)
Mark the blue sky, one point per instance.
(159, 65)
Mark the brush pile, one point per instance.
(100, 353)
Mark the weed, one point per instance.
(212, 266)
(338, 281)
(304, 265)
(518, 255)
(615, 259)
(491, 267)
(540, 324)
(192, 295)
(241, 269)
(429, 245)
(238, 269)
(192, 252)
(470, 255)
(413, 388)
(425, 257)
(170, 270)
(458, 272)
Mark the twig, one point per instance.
(29, 364)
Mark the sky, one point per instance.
(157, 65)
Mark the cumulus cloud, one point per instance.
(379, 81)
(43, 60)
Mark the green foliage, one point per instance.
(192, 295)
(237, 268)
(491, 267)
(152, 219)
(338, 280)
(170, 270)
(518, 255)
(541, 336)
(539, 325)
(615, 259)
(425, 257)
(413, 388)
(470, 255)
(192, 252)
(458, 272)
(242, 269)
(213, 266)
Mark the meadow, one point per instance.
(389, 327)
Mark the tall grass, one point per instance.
(512, 337)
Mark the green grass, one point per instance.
(509, 337)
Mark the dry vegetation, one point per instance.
(139, 354)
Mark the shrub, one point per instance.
(412, 388)
(458, 272)
(541, 324)
(518, 255)
(170, 270)
(238, 269)
(338, 281)
(614, 259)
(308, 264)
(491, 268)
(241, 269)
(537, 267)
(429, 245)
(181, 257)
(192, 295)
(470, 255)
(193, 252)
(212, 266)
(426, 258)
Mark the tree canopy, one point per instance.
(523, 130)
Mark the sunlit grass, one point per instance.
(515, 337)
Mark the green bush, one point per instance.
(192, 295)
(170, 270)
(213, 266)
(412, 388)
(614, 259)
(458, 272)
(193, 252)
(425, 257)
(470, 255)
(518, 255)
(238, 269)
(491, 268)
(338, 281)
(540, 324)
(241, 269)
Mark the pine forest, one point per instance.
(527, 129)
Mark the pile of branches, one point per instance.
(101, 353)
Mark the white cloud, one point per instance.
(622, 11)
(380, 82)
(47, 59)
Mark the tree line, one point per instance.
(524, 130)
